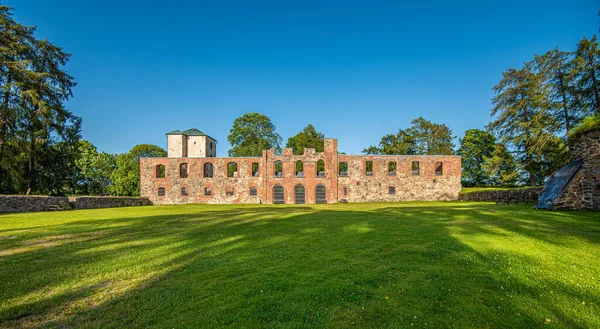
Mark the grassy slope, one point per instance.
(466, 265)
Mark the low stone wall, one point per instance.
(90, 202)
(525, 195)
(22, 203)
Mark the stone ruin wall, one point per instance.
(583, 192)
(360, 187)
(26, 203)
(426, 186)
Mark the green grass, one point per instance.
(466, 190)
(588, 124)
(404, 265)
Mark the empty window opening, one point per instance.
(278, 169)
(320, 168)
(207, 191)
(343, 169)
(254, 169)
(160, 171)
(369, 168)
(229, 191)
(183, 170)
(161, 191)
(232, 169)
(184, 191)
(299, 169)
(320, 194)
(278, 194)
(211, 146)
(345, 190)
(253, 191)
(299, 194)
(415, 168)
(392, 168)
(439, 168)
(392, 190)
(208, 170)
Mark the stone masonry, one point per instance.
(180, 180)
(583, 191)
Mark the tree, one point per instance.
(521, 118)
(308, 137)
(251, 134)
(474, 147)
(126, 177)
(500, 167)
(431, 138)
(559, 72)
(587, 66)
(401, 143)
(37, 132)
(94, 170)
(422, 138)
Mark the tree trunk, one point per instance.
(565, 108)
(4, 130)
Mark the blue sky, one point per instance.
(355, 70)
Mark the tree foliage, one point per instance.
(474, 148)
(126, 177)
(423, 137)
(307, 138)
(94, 170)
(500, 167)
(251, 134)
(38, 135)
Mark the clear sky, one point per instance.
(355, 70)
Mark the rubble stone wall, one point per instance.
(23, 203)
(583, 192)
(91, 202)
(524, 195)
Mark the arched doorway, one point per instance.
(299, 194)
(321, 194)
(278, 194)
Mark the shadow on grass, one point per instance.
(341, 265)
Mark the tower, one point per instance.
(191, 143)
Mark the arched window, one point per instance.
(278, 194)
(299, 169)
(278, 169)
(208, 170)
(415, 168)
(160, 171)
(299, 194)
(184, 191)
(232, 169)
(320, 168)
(320, 194)
(229, 191)
(254, 169)
(253, 191)
(343, 169)
(183, 170)
(392, 168)
(161, 191)
(369, 168)
(439, 168)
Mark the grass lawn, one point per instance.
(405, 265)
